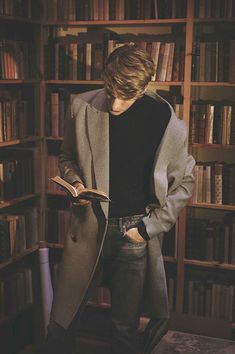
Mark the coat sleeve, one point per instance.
(68, 166)
(180, 179)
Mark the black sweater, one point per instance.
(134, 137)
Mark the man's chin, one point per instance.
(116, 113)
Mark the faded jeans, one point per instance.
(122, 268)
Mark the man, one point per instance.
(129, 143)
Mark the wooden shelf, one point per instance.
(20, 141)
(212, 206)
(74, 82)
(213, 84)
(208, 264)
(7, 203)
(12, 260)
(100, 82)
(214, 20)
(169, 259)
(116, 22)
(212, 146)
(19, 19)
(18, 81)
(166, 83)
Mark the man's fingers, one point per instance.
(82, 202)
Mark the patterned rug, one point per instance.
(183, 343)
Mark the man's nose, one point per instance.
(117, 104)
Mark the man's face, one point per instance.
(118, 105)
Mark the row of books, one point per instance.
(168, 58)
(17, 60)
(19, 232)
(15, 119)
(212, 123)
(116, 9)
(16, 292)
(20, 8)
(83, 10)
(72, 59)
(213, 61)
(55, 112)
(214, 183)
(209, 298)
(17, 173)
(211, 241)
(214, 8)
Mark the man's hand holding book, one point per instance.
(79, 186)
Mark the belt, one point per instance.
(122, 223)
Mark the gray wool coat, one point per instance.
(85, 157)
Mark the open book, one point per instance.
(87, 193)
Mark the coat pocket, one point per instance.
(72, 235)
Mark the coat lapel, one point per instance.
(98, 131)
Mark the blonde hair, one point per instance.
(127, 72)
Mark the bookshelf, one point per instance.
(208, 269)
(201, 30)
(20, 164)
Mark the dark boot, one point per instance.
(57, 341)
